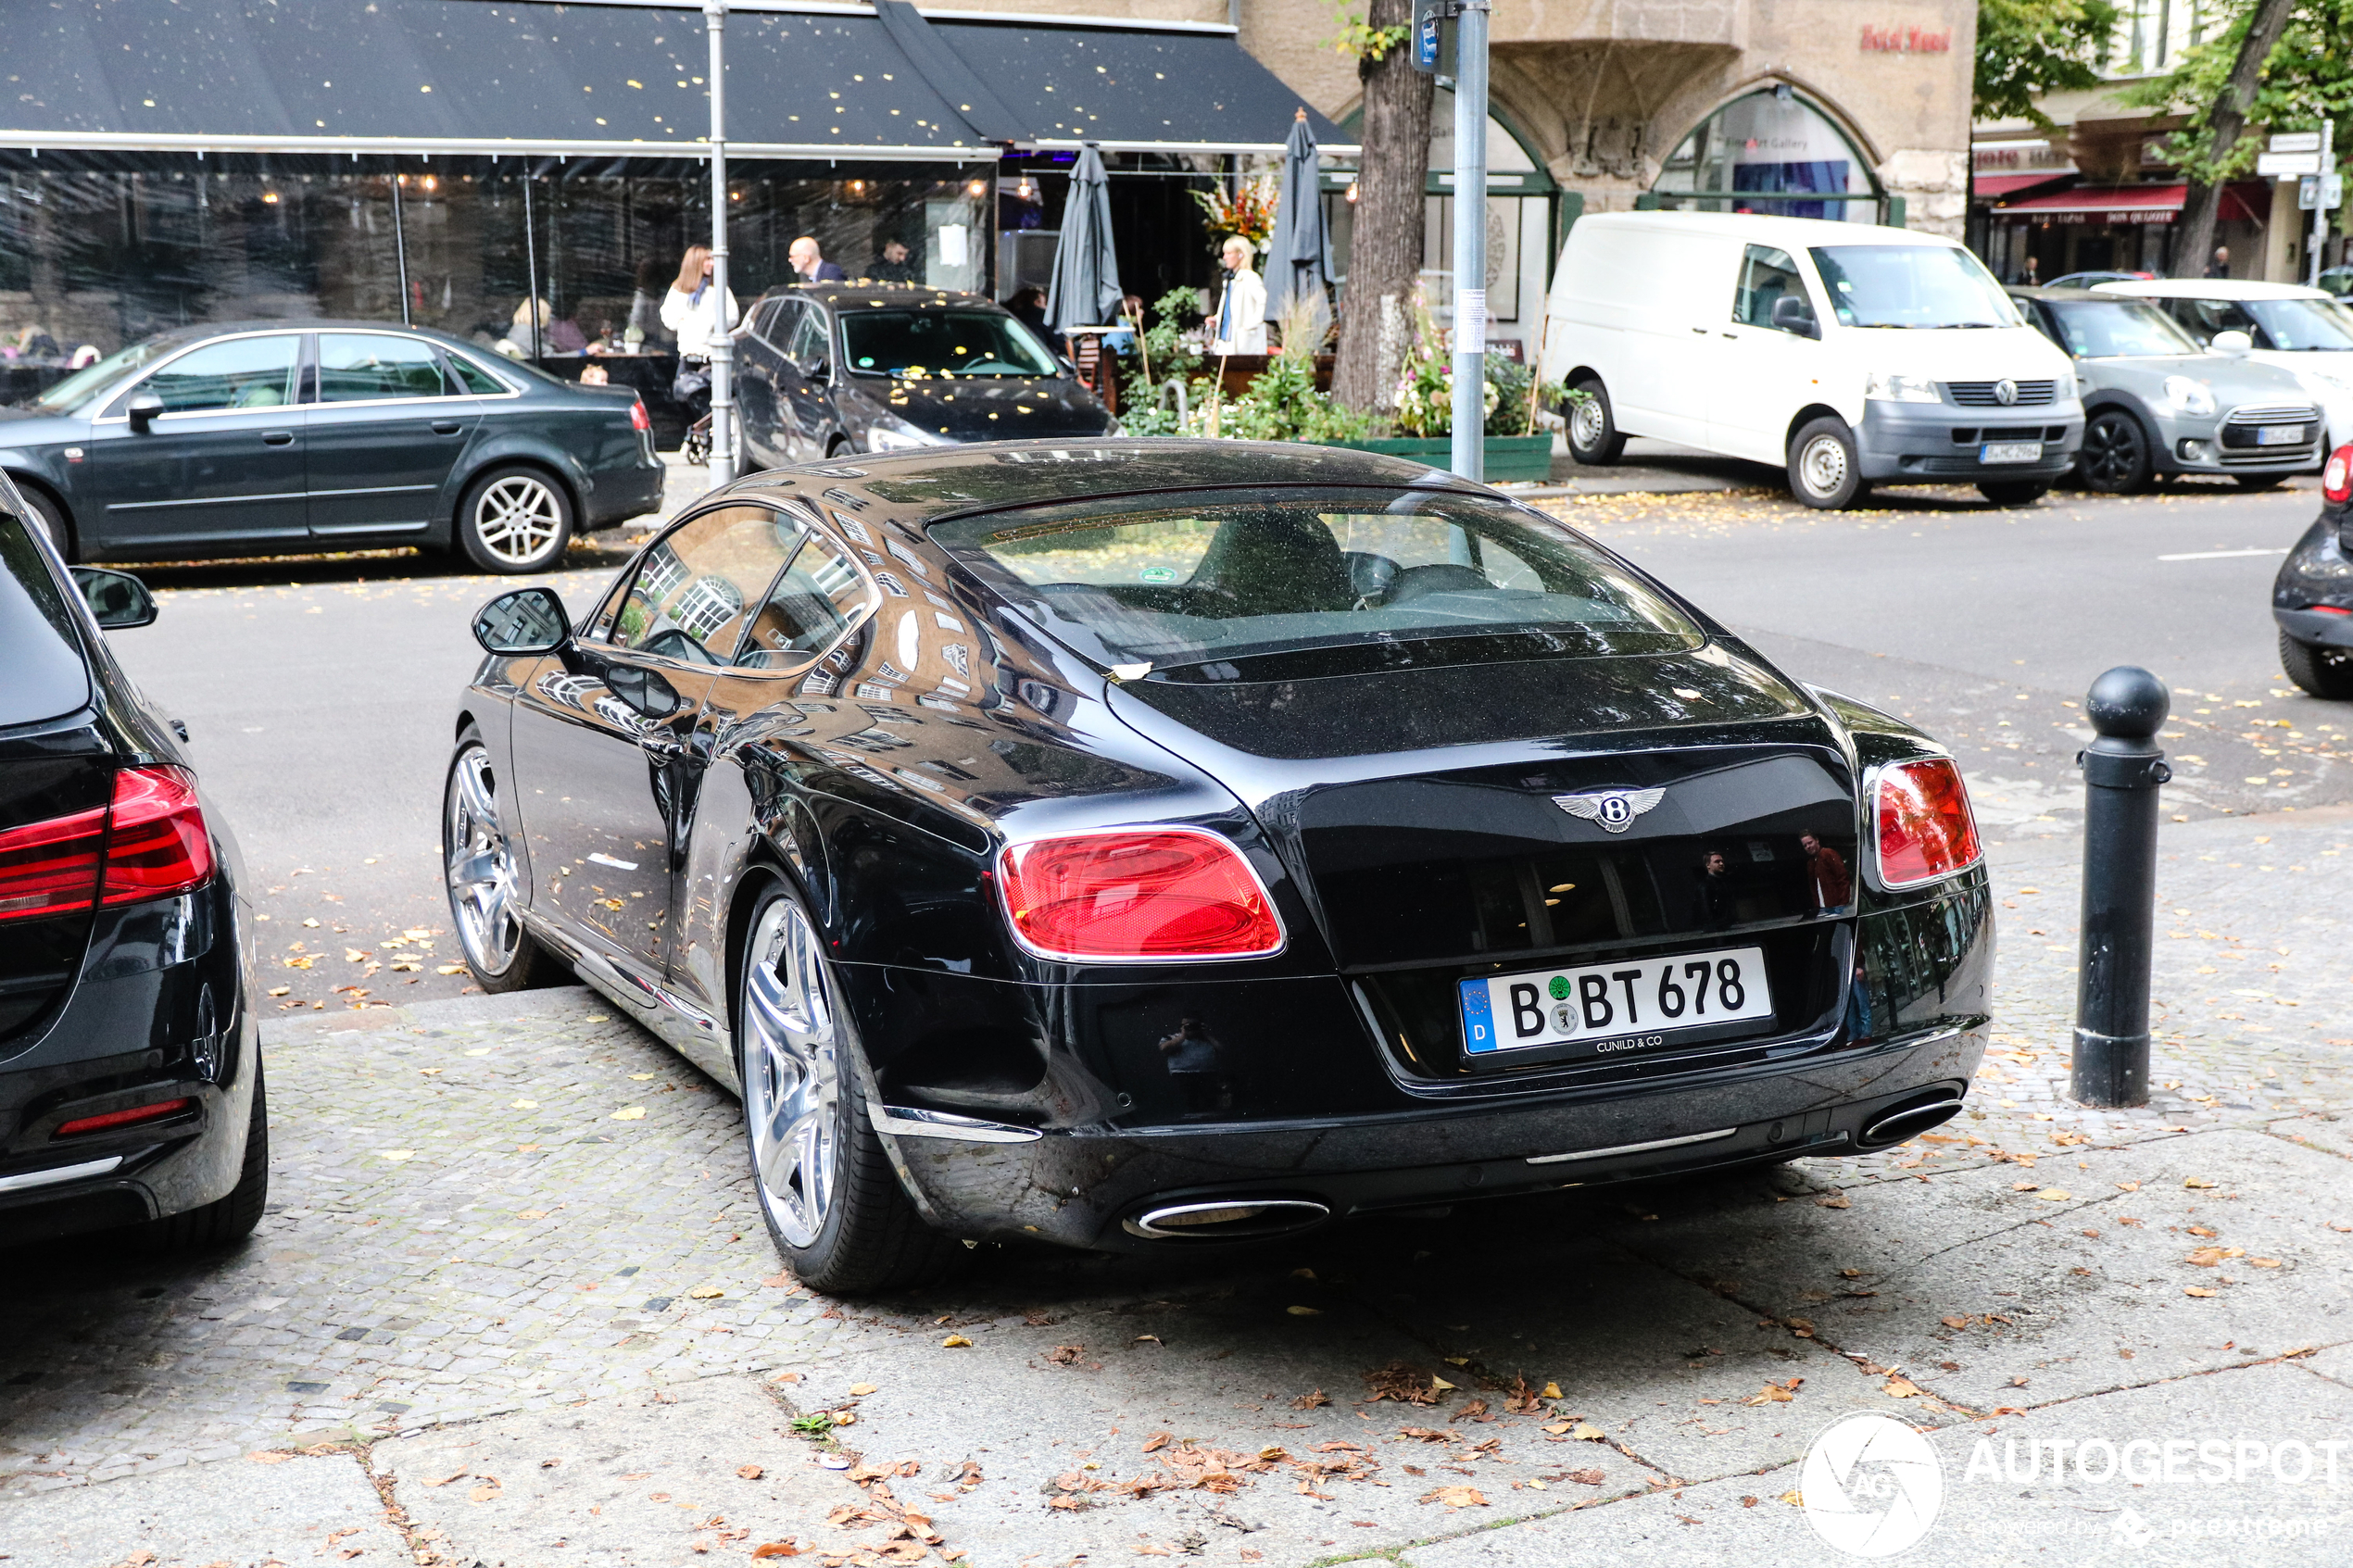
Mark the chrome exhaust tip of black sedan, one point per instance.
(1907, 1120)
(1229, 1219)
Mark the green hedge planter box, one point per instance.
(1506, 457)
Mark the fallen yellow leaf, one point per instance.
(2196, 1181)
(705, 1293)
(1457, 1496)
(2054, 1195)
(641, 1077)
(1558, 1427)
(2264, 1263)
(526, 1105)
(396, 1154)
(2198, 1290)
(1900, 1388)
(1455, 1360)
(2128, 1186)
(1304, 1311)
(630, 1114)
(955, 1342)
(1552, 1390)
(1586, 1432)
(1439, 1384)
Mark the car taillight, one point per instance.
(156, 840)
(137, 1114)
(1138, 893)
(51, 866)
(1926, 829)
(637, 417)
(2336, 479)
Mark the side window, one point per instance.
(809, 346)
(475, 378)
(365, 366)
(819, 598)
(688, 600)
(1767, 276)
(246, 373)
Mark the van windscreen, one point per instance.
(1911, 286)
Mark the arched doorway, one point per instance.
(1771, 151)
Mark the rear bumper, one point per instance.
(1928, 445)
(621, 493)
(159, 1012)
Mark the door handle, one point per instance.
(1702, 330)
(277, 438)
(447, 427)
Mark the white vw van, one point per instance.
(1848, 353)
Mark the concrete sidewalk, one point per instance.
(495, 1317)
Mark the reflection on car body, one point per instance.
(1120, 879)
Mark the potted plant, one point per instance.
(1515, 447)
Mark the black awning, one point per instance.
(613, 79)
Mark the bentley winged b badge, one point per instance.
(1614, 810)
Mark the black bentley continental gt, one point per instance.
(2312, 596)
(1143, 845)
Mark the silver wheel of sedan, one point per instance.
(792, 1074)
(514, 519)
(479, 866)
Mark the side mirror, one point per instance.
(142, 410)
(1792, 313)
(117, 599)
(1069, 368)
(818, 370)
(529, 620)
(2231, 342)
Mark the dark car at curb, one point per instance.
(131, 1093)
(1146, 845)
(285, 437)
(2313, 596)
(825, 369)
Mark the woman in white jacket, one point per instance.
(685, 310)
(1240, 326)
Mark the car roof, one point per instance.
(863, 294)
(2212, 288)
(2049, 291)
(198, 332)
(915, 489)
(1769, 229)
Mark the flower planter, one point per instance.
(1506, 457)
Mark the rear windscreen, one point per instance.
(42, 674)
(1246, 574)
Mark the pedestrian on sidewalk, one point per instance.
(1242, 309)
(810, 265)
(685, 310)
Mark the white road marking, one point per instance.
(2221, 554)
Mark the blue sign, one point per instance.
(1427, 22)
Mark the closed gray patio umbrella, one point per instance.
(1085, 291)
(1298, 253)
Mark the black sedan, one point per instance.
(130, 1066)
(2312, 596)
(1140, 845)
(279, 437)
(825, 369)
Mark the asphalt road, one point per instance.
(321, 693)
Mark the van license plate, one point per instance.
(2279, 435)
(1611, 1008)
(2011, 452)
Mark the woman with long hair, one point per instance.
(686, 311)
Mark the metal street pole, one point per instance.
(723, 402)
(1470, 239)
(2123, 769)
(2317, 254)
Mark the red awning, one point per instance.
(1993, 187)
(2133, 204)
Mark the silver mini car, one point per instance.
(2155, 403)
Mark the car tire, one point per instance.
(1825, 471)
(2253, 482)
(825, 1186)
(52, 520)
(514, 519)
(2013, 491)
(227, 1221)
(2116, 458)
(1594, 439)
(2321, 671)
(481, 876)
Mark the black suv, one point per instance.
(130, 1064)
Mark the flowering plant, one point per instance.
(1425, 385)
(1249, 211)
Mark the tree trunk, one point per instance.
(1385, 256)
(2226, 123)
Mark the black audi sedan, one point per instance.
(825, 369)
(130, 1066)
(2312, 596)
(1148, 844)
(282, 437)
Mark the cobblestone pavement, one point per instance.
(500, 1222)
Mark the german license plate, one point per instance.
(2279, 435)
(1606, 1009)
(2011, 452)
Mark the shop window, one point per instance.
(1765, 152)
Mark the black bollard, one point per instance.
(2122, 769)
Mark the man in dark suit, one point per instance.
(810, 265)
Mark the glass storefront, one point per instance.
(1770, 144)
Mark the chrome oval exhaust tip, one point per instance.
(1225, 1219)
(1898, 1126)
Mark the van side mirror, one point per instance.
(2231, 342)
(142, 410)
(117, 600)
(1792, 313)
(526, 621)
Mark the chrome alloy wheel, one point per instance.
(479, 865)
(792, 1074)
(1821, 465)
(518, 518)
